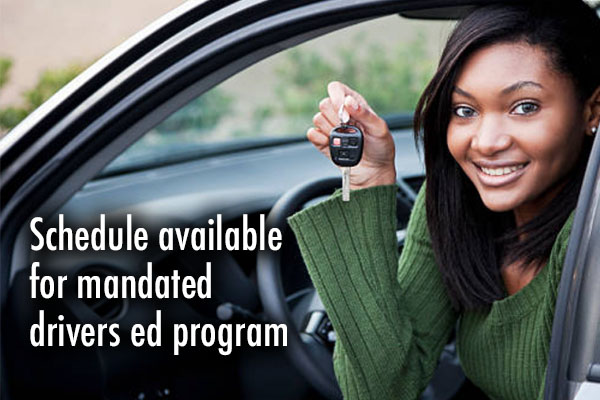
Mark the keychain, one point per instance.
(346, 147)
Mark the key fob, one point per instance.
(346, 145)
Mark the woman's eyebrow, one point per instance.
(463, 93)
(519, 85)
(512, 88)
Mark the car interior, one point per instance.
(234, 150)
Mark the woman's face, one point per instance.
(516, 127)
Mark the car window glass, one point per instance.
(388, 60)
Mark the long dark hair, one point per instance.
(470, 242)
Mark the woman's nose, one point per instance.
(490, 137)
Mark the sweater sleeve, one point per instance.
(391, 314)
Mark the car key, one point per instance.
(345, 147)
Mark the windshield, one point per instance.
(389, 60)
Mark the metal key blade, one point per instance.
(345, 183)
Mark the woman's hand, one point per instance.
(377, 164)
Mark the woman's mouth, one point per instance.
(500, 176)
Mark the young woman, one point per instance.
(507, 124)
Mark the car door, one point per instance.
(574, 362)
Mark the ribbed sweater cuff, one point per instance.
(350, 252)
(349, 237)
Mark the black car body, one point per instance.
(51, 161)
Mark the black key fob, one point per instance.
(346, 145)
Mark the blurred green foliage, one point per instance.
(390, 80)
(11, 116)
(48, 83)
(5, 66)
(200, 114)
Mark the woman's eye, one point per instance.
(525, 108)
(465, 112)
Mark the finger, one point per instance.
(320, 140)
(322, 123)
(373, 124)
(329, 111)
(337, 92)
(317, 137)
(361, 100)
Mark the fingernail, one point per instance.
(350, 101)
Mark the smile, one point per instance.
(500, 176)
(501, 171)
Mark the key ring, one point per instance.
(341, 115)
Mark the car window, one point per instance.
(388, 60)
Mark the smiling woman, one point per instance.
(512, 133)
(524, 98)
(507, 123)
(512, 126)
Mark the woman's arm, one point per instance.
(392, 316)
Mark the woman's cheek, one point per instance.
(457, 143)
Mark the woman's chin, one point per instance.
(499, 202)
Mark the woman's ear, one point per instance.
(592, 113)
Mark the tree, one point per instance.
(48, 83)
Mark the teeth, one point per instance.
(501, 171)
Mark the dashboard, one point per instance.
(182, 195)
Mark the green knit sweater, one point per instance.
(392, 314)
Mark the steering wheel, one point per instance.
(310, 336)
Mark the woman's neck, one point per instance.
(528, 211)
